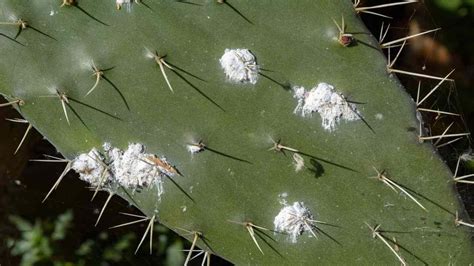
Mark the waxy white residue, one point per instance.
(325, 100)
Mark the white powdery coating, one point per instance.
(90, 168)
(324, 99)
(122, 2)
(131, 167)
(293, 220)
(194, 149)
(298, 162)
(239, 66)
(126, 3)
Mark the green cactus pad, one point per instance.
(236, 178)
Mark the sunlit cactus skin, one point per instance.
(232, 154)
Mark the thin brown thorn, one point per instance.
(459, 222)
(394, 185)
(151, 235)
(398, 54)
(249, 226)
(64, 100)
(359, 9)
(199, 253)
(101, 182)
(463, 177)
(316, 221)
(130, 223)
(58, 181)
(444, 133)
(445, 136)
(165, 63)
(15, 102)
(383, 34)
(457, 167)
(309, 223)
(389, 55)
(161, 164)
(52, 159)
(449, 142)
(376, 14)
(437, 112)
(188, 258)
(16, 23)
(277, 146)
(395, 46)
(393, 70)
(148, 228)
(376, 233)
(23, 138)
(16, 120)
(310, 228)
(464, 181)
(207, 259)
(380, 176)
(160, 60)
(252, 235)
(49, 161)
(406, 193)
(384, 45)
(133, 215)
(436, 87)
(98, 75)
(103, 175)
(19, 23)
(103, 208)
(338, 27)
(418, 93)
(420, 129)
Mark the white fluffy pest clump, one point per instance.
(293, 220)
(126, 3)
(193, 149)
(91, 168)
(132, 168)
(239, 66)
(325, 100)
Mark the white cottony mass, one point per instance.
(294, 220)
(325, 100)
(239, 66)
(132, 168)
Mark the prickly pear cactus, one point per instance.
(260, 130)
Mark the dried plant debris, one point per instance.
(325, 100)
(240, 66)
(294, 220)
(132, 168)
